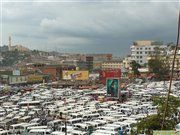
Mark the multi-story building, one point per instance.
(176, 62)
(19, 48)
(89, 61)
(97, 65)
(127, 62)
(82, 65)
(102, 57)
(167, 56)
(140, 50)
(111, 65)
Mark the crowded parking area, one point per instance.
(46, 110)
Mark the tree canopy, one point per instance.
(154, 122)
(12, 57)
(160, 67)
(135, 66)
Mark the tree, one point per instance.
(135, 66)
(154, 122)
(159, 67)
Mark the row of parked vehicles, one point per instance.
(50, 111)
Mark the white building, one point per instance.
(141, 50)
(127, 62)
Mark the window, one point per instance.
(146, 48)
(137, 52)
(137, 48)
(140, 52)
(140, 61)
(137, 56)
(140, 56)
(140, 48)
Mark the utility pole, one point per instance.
(171, 76)
(65, 126)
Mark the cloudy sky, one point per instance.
(88, 26)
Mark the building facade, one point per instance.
(127, 62)
(89, 61)
(111, 65)
(141, 50)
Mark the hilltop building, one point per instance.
(142, 49)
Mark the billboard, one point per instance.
(16, 72)
(75, 75)
(112, 87)
(104, 74)
(17, 79)
(35, 78)
(165, 132)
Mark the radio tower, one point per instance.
(9, 46)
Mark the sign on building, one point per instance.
(16, 72)
(104, 74)
(165, 132)
(35, 78)
(75, 75)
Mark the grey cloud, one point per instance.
(38, 37)
(92, 27)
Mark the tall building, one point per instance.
(20, 48)
(141, 50)
(89, 61)
(9, 46)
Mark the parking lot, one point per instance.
(45, 110)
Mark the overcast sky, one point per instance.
(88, 27)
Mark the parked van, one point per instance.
(55, 123)
(77, 132)
(4, 132)
(36, 127)
(17, 128)
(82, 126)
(59, 133)
(177, 128)
(74, 121)
(24, 127)
(25, 119)
(40, 132)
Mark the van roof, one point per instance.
(4, 131)
(39, 130)
(57, 133)
(105, 131)
(78, 132)
(19, 124)
(38, 127)
(25, 117)
(54, 121)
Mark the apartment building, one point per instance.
(111, 65)
(141, 50)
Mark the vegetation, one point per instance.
(135, 66)
(159, 67)
(154, 122)
(12, 57)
